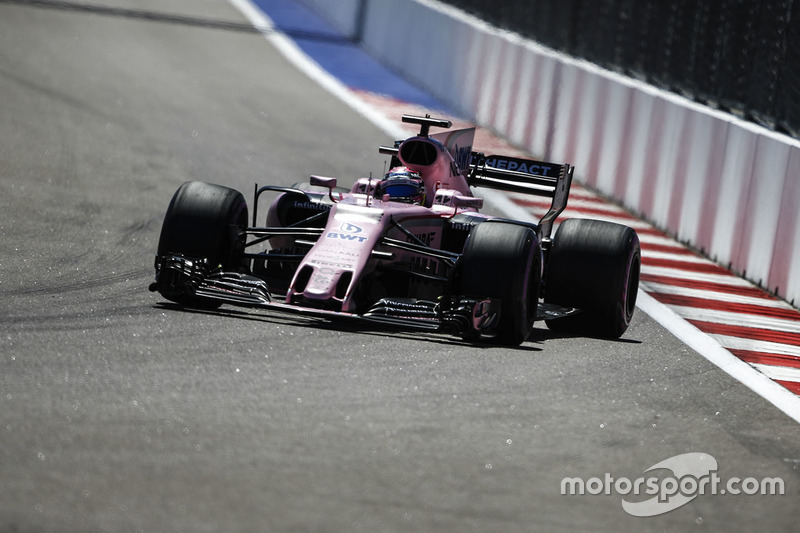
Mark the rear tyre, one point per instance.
(503, 261)
(204, 221)
(593, 266)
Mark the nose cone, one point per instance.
(327, 282)
(330, 269)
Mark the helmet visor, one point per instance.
(401, 190)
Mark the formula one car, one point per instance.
(408, 250)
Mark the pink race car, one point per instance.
(409, 250)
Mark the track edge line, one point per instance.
(786, 401)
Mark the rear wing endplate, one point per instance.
(514, 174)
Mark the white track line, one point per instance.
(752, 345)
(694, 338)
(687, 258)
(764, 301)
(664, 240)
(781, 373)
(709, 348)
(626, 221)
(740, 319)
(726, 279)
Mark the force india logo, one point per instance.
(347, 232)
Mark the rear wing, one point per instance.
(514, 174)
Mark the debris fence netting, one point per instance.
(741, 56)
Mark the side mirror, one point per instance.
(321, 181)
(328, 183)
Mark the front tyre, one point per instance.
(203, 221)
(503, 261)
(594, 266)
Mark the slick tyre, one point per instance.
(204, 221)
(503, 261)
(594, 266)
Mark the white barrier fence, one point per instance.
(725, 186)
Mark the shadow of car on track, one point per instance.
(342, 325)
(541, 334)
(533, 344)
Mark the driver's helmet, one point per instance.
(402, 185)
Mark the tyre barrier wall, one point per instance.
(722, 185)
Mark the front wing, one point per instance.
(185, 279)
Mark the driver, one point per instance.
(402, 185)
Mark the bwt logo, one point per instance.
(347, 232)
(347, 227)
(693, 474)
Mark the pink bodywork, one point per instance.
(358, 221)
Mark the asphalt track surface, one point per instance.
(122, 413)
